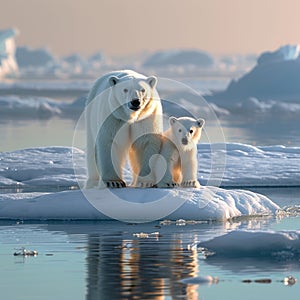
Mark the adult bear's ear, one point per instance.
(172, 120)
(200, 123)
(152, 81)
(113, 80)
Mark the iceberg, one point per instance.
(284, 53)
(275, 76)
(8, 64)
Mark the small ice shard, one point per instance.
(200, 280)
(263, 280)
(289, 280)
(193, 246)
(180, 222)
(166, 222)
(143, 235)
(25, 252)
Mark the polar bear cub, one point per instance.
(179, 149)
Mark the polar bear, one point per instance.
(123, 108)
(179, 149)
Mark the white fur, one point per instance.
(179, 149)
(115, 130)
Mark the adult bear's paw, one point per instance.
(114, 184)
(145, 184)
(170, 184)
(190, 184)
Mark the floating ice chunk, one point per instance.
(201, 280)
(243, 243)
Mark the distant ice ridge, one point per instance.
(31, 107)
(15, 107)
(245, 166)
(246, 243)
(179, 58)
(42, 63)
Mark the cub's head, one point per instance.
(133, 98)
(186, 131)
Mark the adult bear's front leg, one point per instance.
(111, 152)
(110, 166)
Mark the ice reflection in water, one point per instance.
(146, 268)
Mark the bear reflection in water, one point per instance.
(139, 269)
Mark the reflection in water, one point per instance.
(138, 269)
(120, 265)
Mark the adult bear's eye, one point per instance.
(179, 130)
(191, 131)
(125, 90)
(143, 91)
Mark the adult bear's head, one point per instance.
(132, 98)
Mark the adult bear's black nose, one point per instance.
(135, 103)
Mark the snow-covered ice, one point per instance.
(244, 166)
(136, 205)
(248, 165)
(45, 166)
(53, 167)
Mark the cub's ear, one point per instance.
(113, 80)
(152, 81)
(200, 123)
(172, 120)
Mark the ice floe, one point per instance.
(247, 243)
(136, 205)
(42, 168)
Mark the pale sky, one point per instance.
(121, 27)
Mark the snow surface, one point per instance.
(45, 166)
(247, 243)
(248, 165)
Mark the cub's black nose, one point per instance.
(184, 141)
(135, 103)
